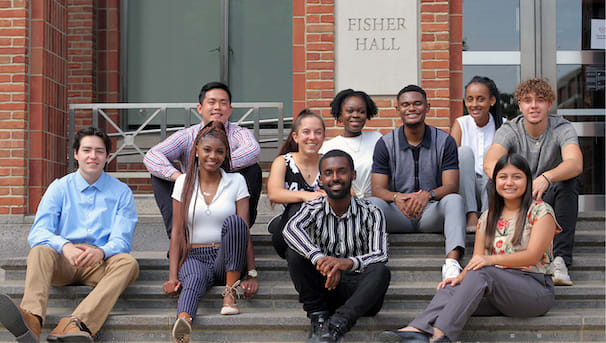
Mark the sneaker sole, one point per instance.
(12, 319)
(181, 331)
(76, 338)
(392, 337)
(559, 282)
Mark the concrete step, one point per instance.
(144, 325)
(282, 295)
(154, 266)
(152, 236)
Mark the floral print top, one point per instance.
(504, 234)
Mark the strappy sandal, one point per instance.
(182, 330)
(234, 293)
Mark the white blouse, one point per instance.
(361, 149)
(209, 218)
(479, 139)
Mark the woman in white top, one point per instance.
(210, 242)
(352, 109)
(293, 178)
(474, 134)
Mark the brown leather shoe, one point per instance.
(23, 325)
(70, 330)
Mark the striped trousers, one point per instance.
(206, 267)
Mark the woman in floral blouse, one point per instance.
(509, 273)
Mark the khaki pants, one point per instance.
(46, 267)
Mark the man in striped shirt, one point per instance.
(161, 160)
(337, 253)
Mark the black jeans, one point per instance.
(163, 191)
(563, 196)
(358, 294)
(277, 224)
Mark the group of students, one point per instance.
(340, 199)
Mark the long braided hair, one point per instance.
(214, 129)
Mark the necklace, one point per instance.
(356, 139)
(206, 193)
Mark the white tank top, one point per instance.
(479, 139)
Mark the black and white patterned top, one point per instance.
(294, 180)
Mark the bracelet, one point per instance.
(395, 195)
(546, 178)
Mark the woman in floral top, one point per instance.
(509, 273)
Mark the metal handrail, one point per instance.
(99, 109)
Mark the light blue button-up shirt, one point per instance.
(72, 211)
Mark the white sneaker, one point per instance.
(450, 269)
(560, 272)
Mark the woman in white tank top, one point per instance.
(474, 134)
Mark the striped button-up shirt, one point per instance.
(359, 234)
(245, 150)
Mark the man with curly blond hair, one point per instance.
(551, 146)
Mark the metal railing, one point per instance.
(250, 119)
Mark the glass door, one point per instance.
(174, 47)
(561, 40)
(580, 45)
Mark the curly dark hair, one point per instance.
(337, 103)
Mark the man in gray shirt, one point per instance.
(551, 146)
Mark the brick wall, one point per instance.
(48, 96)
(81, 56)
(14, 94)
(441, 68)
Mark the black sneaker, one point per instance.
(319, 322)
(337, 328)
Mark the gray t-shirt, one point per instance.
(543, 153)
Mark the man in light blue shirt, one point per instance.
(82, 234)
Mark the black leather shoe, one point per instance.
(403, 336)
(319, 322)
(442, 339)
(337, 328)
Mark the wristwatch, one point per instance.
(433, 194)
(252, 274)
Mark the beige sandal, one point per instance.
(182, 330)
(234, 293)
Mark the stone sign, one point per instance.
(377, 48)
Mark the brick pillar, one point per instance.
(48, 97)
(14, 92)
(298, 56)
(108, 52)
(81, 56)
(107, 35)
(456, 59)
(435, 54)
(320, 57)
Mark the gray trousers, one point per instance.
(449, 210)
(489, 291)
(472, 187)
